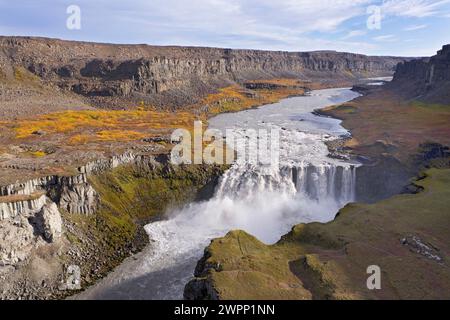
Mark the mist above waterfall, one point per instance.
(266, 203)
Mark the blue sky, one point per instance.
(406, 28)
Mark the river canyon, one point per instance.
(264, 200)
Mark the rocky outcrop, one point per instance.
(11, 207)
(381, 178)
(50, 222)
(27, 187)
(101, 165)
(76, 195)
(200, 288)
(173, 75)
(72, 193)
(16, 241)
(22, 233)
(426, 79)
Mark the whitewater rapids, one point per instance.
(266, 201)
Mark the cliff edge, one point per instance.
(426, 79)
(84, 74)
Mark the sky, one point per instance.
(375, 27)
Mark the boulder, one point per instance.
(16, 240)
(50, 222)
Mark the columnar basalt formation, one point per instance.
(73, 193)
(130, 189)
(30, 210)
(15, 207)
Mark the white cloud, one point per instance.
(281, 25)
(354, 33)
(385, 38)
(413, 8)
(262, 23)
(415, 27)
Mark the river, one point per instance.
(266, 201)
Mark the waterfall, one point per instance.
(325, 182)
(328, 181)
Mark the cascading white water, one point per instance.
(264, 200)
(320, 183)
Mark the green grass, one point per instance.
(431, 106)
(129, 194)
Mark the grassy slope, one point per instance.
(329, 261)
(383, 116)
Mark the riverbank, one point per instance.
(405, 235)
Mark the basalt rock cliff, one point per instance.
(116, 75)
(426, 79)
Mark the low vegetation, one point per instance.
(23, 75)
(329, 261)
(383, 117)
(71, 121)
(235, 98)
(81, 127)
(38, 154)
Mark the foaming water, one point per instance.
(266, 201)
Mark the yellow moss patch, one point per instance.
(38, 154)
(18, 74)
(119, 135)
(114, 124)
(21, 74)
(280, 82)
(79, 139)
(235, 98)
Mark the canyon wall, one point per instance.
(111, 75)
(92, 219)
(426, 79)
